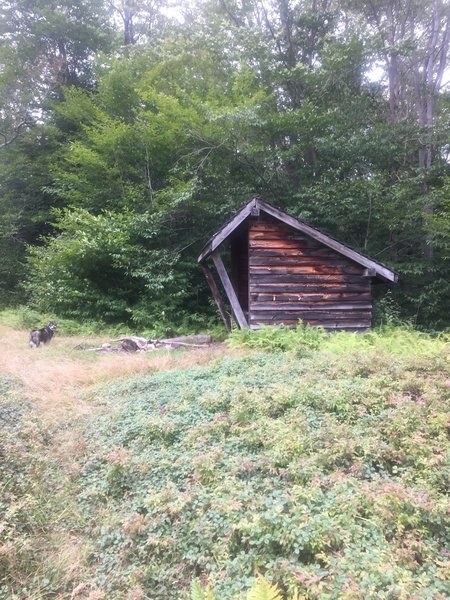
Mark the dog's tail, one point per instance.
(35, 339)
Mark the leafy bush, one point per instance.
(387, 311)
(326, 474)
(108, 268)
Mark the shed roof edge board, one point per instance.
(221, 235)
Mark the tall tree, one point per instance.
(45, 46)
(141, 20)
(413, 40)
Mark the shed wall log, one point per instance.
(292, 277)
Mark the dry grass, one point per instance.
(54, 376)
(56, 379)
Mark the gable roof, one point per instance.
(255, 205)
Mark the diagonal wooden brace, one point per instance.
(229, 289)
(216, 294)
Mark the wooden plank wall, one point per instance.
(292, 277)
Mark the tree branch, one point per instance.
(16, 133)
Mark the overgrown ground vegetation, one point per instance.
(320, 462)
(44, 407)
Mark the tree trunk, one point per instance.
(128, 33)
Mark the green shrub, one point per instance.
(271, 338)
(325, 474)
(260, 590)
(108, 268)
(398, 340)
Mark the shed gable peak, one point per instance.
(253, 208)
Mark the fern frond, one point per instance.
(263, 590)
(198, 593)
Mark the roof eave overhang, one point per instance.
(379, 271)
(228, 228)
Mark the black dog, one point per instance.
(43, 335)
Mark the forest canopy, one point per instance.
(130, 130)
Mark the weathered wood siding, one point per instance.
(292, 277)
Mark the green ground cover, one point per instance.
(323, 468)
(35, 507)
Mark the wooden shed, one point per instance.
(281, 270)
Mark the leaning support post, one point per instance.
(216, 294)
(229, 289)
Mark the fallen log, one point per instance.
(102, 349)
(180, 345)
(133, 343)
(188, 339)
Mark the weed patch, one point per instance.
(35, 509)
(45, 547)
(327, 474)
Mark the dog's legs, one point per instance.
(35, 339)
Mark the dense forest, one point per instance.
(131, 129)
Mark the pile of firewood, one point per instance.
(134, 343)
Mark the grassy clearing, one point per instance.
(40, 551)
(322, 465)
(325, 473)
(46, 398)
